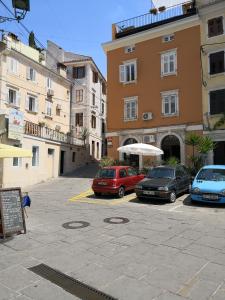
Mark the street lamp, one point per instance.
(21, 7)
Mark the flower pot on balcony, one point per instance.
(153, 11)
(42, 124)
(161, 8)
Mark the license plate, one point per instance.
(148, 192)
(102, 183)
(210, 197)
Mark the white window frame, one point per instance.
(48, 108)
(128, 114)
(16, 101)
(207, 27)
(79, 98)
(35, 163)
(49, 83)
(170, 37)
(167, 55)
(13, 65)
(123, 74)
(166, 97)
(18, 160)
(35, 109)
(31, 74)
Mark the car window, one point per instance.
(122, 173)
(106, 173)
(211, 175)
(161, 173)
(131, 172)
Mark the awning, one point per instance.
(10, 151)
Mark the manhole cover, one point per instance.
(116, 220)
(78, 225)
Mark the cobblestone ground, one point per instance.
(165, 251)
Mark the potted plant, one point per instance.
(161, 8)
(42, 124)
(153, 11)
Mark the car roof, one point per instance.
(214, 167)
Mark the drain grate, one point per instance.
(81, 224)
(69, 284)
(116, 220)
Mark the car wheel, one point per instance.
(173, 197)
(121, 192)
(97, 194)
(140, 198)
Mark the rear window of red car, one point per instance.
(106, 173)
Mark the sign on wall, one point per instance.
(109, 142)
(15, 129)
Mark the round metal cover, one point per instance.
(81, 224)
(116, 220)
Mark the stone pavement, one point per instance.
(165, 251)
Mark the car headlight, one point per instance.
(223, 192)
(138, 187)
(195, 190)
(163, 188)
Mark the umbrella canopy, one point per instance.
(10, 151)
(141, 149)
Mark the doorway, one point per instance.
(51, 153)
(171, 147)
(219, 153)
(62, 159)
(132, 159)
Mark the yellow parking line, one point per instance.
(81, 195)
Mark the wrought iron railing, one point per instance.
(155, 16)
(50, 134)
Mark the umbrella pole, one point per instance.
(140, 162)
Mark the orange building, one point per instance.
(154, 81)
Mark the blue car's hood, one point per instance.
(209, 186)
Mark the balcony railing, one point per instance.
(157, 17)
(50, 134)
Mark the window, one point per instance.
(32, 103)
(131, 172)
(103, 108)
(128, 72)
(48, 105)
(31, 74)
(93, 121)
(103, 127)
(215, 27)
(73, 156)
(95, 77)
(49, 83)
(130, 109)
(170, 103)
(103, 88)
(216, 62)
(168, 63)
(35, 157)
(122, 173)
(217, 102)
(79, 95)
(79, 119)
(13, 97)
(16, 160)
(13, 65)
(93, 99)
(79, 72)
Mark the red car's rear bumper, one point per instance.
(105, 190)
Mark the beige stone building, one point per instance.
(212, 16)
(28, 87)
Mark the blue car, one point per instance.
(209, 185)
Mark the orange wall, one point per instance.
(150, 84)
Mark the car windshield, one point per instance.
(160, 173)
(106, 173)
(211, 175)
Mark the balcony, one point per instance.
(155, 18)
(50, 134)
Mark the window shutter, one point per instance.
(16, 66)
(27, 103)
(28, 73)
(162, 64)
(122, 73)
(34, 75)
(18, 98)
(135, 71)
(36, 105)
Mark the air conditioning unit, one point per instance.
(58, 106)
(147, 116)
(168, 38)
(50, 92)
(148, 139)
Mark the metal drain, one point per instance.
(69, 225)
(69, 284)
(121, 220)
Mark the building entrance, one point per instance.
(132, 159)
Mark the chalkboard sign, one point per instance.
(11, 212)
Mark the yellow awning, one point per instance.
(10, 151)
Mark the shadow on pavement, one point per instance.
(188, 202)
(88, 171)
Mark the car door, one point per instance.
(179, 180)
(124, 179)
(133, 178)
(187, 178)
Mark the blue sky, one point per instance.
(77, 26)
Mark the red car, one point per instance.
(115, 180)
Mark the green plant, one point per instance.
(84, 135)
(205, 145)
(172, 161)
(106, 162)
(220, 122)
(192, 139)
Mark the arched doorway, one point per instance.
(171, 147)
(131, 159)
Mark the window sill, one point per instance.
(130, 120)
(129, 82)
(31, 112)
(219, 115)
(169, 115)
(12, 105)
(48, 117)
(169, 74)
(216, 74)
